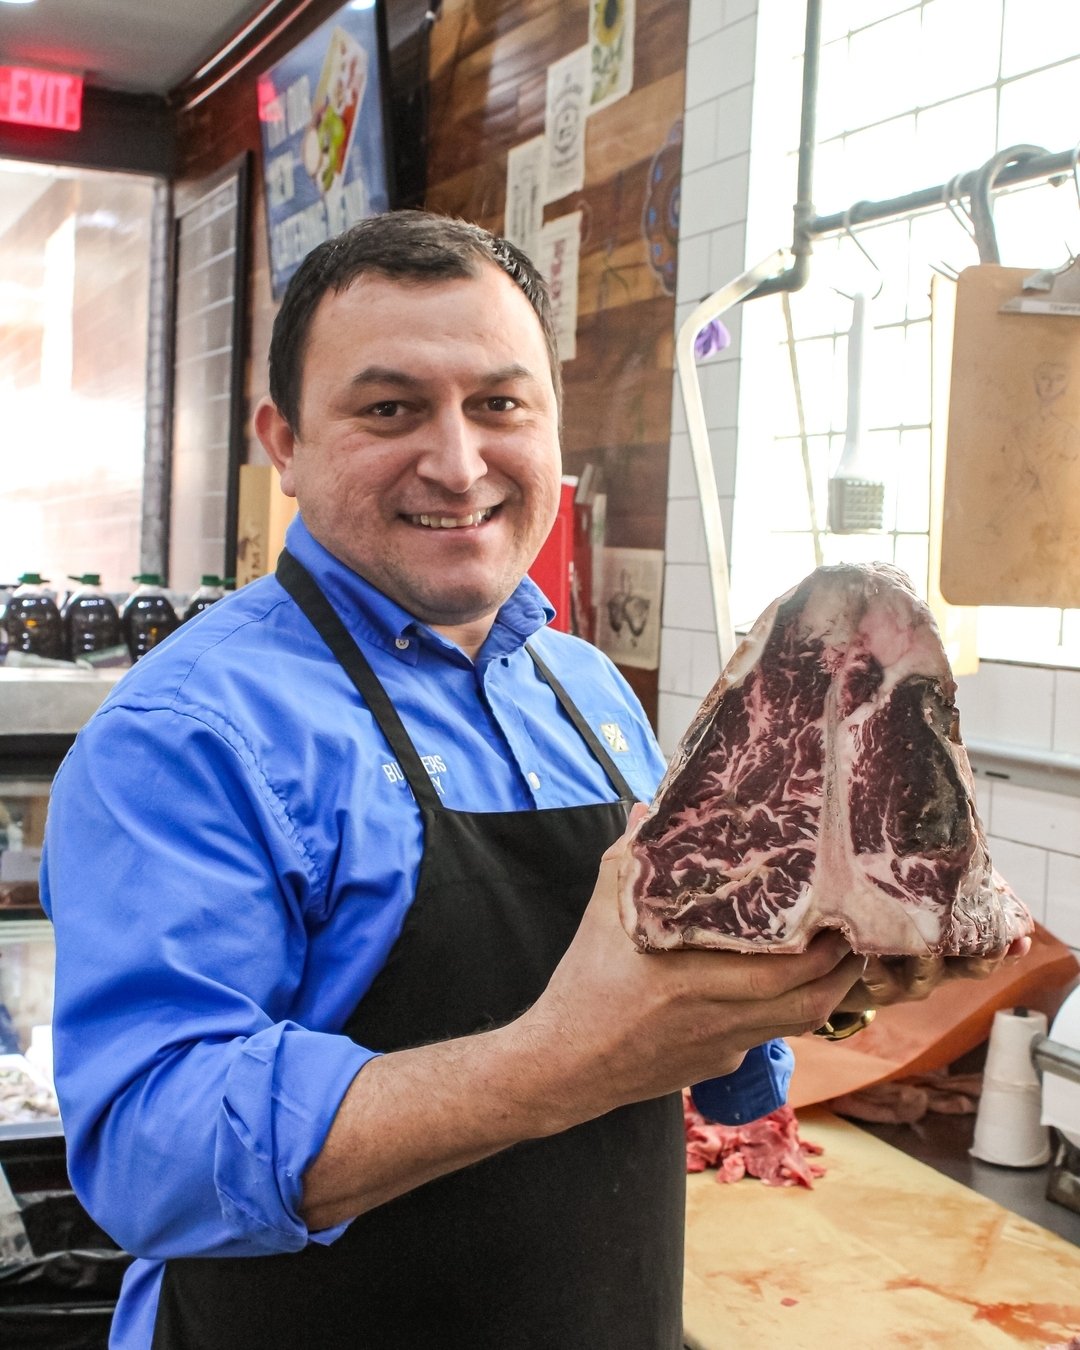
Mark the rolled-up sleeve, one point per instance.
(758, 1086)
(177, 885)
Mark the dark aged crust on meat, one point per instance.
(823, 784)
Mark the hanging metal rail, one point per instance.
(1016, 164)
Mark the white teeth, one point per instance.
(451, 522)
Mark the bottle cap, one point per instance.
(147, 578)
(32, 579)
(208, 580)
(87, 578)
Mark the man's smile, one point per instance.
(434, 522)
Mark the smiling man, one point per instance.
(424, 447)
(351, 1046)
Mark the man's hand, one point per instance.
(616, 1025)
(903, 979)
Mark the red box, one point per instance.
(553, 570)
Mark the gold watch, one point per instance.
(841, 1025)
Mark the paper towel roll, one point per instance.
(1060, 1097)
(1008, 1057)
(1008, 1130)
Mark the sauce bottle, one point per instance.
(147, 617)
(90, 619)
(211, 588)
(32, 619)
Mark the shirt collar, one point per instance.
(370, 614)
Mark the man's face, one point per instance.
(428, 456)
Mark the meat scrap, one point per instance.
(823, 784)
(769, 1149)
(903, 1101)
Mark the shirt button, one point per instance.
(401, 644)
(534, 780)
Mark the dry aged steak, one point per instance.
(823, 784)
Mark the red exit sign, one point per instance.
(40, 98)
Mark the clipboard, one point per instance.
(1011, 515)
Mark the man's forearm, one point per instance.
(414, 1115)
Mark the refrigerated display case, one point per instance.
(59, 1273)
(41, 711)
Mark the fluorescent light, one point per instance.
(16, 2)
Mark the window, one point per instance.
(74, 294)
(911, 94)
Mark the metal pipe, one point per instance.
(795, 277)
(861, 213)
(1052, 1057)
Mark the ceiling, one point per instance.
(139, 46)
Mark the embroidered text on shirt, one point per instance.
(434, 764)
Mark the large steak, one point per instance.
(823, 784)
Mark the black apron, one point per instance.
(574, 1242)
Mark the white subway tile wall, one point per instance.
(1067, 712)
(1014, 704)
(1024, 868)
(1034, 835)
(712, 244)
(1062, 888)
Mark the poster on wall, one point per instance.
(558, 257)
(611, 51)
(628, 622)
(525, 194)
(323, 138)
(565, 113)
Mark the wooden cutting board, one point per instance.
(884, 1252)
(1011, 524)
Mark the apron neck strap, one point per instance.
(326, 621)
(324, 618)
(591, 739)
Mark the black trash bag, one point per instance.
(55, 1221)
(91, 1275)
(52, 1326)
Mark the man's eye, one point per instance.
(387, 408)
(501, 403)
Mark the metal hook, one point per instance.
(851, 235)
(950, 196)
(982, 212)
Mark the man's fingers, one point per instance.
(807, 1006)
(759, 977)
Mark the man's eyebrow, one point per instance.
(385, 375)
(514, 371)
(401, 379)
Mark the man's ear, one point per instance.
(278, 441)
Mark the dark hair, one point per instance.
(407, 245)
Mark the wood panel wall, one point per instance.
(489, 61)
(488, 79)
(211, 135)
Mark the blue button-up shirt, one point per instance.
(230, 855)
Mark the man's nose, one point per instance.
(453, 456)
